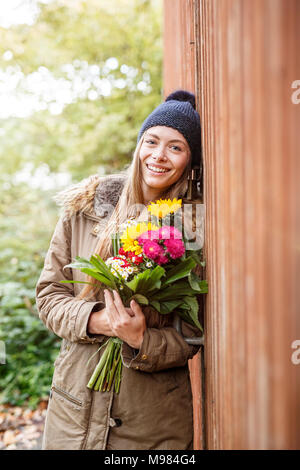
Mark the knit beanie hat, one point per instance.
(179, 112)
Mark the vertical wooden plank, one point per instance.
(179, 46)
(246, 61)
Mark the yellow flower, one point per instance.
(129, 236)
(163, 207)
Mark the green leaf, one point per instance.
(194, 281)
(169, 306)
(99, 277)
(155, 276)
(141, 299)
(134, 283)
(81, 259)
(155, 305)
(174, 292)
(146, 281)
(77, 282)
(203, 286)
(193, 311)
(181, 270)
(104, 268)
(196, 257)
(95, 262)
(79, 264)
(183, 312)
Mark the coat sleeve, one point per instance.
(161, 349)
(58, 308)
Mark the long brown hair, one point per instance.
(129, 200)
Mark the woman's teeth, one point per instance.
(157, 170)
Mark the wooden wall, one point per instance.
(241, 58)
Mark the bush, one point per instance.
(31, 349)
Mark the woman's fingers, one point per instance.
(136, 308)
(118, 302)
(109, 302)
(129, 311)
(123, 311)
(113, 314)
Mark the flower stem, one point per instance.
(107, 373)
(99, 367)
(106, 367)
(115, 363)
(106, 370)
(118, 374)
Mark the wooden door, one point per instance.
(241, 58)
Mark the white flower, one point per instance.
(116, 267)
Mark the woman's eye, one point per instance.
(173, 146)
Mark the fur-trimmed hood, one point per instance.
(90, 194)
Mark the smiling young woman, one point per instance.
(164, 156)
(155, 376)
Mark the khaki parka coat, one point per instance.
(153, 409)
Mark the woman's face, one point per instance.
(164, 155)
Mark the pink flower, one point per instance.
(162, 259)
(149, 235)
(152, 249)
(167, 233)
(175, 248)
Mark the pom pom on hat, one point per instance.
(182, 95)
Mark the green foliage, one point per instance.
(27, 220)
(30, 348)
(67, 38)
(89, 136)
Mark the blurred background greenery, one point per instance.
(77, 79)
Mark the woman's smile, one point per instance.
(157, 170)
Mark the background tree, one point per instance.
(75, 87)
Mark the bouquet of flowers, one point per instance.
(152, 266)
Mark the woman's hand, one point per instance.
(128, 324)
(98, 323)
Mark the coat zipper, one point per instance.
(66, 395)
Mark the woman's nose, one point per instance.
(159, 154)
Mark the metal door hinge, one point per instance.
(177, 326)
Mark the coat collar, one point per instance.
(89, 195)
